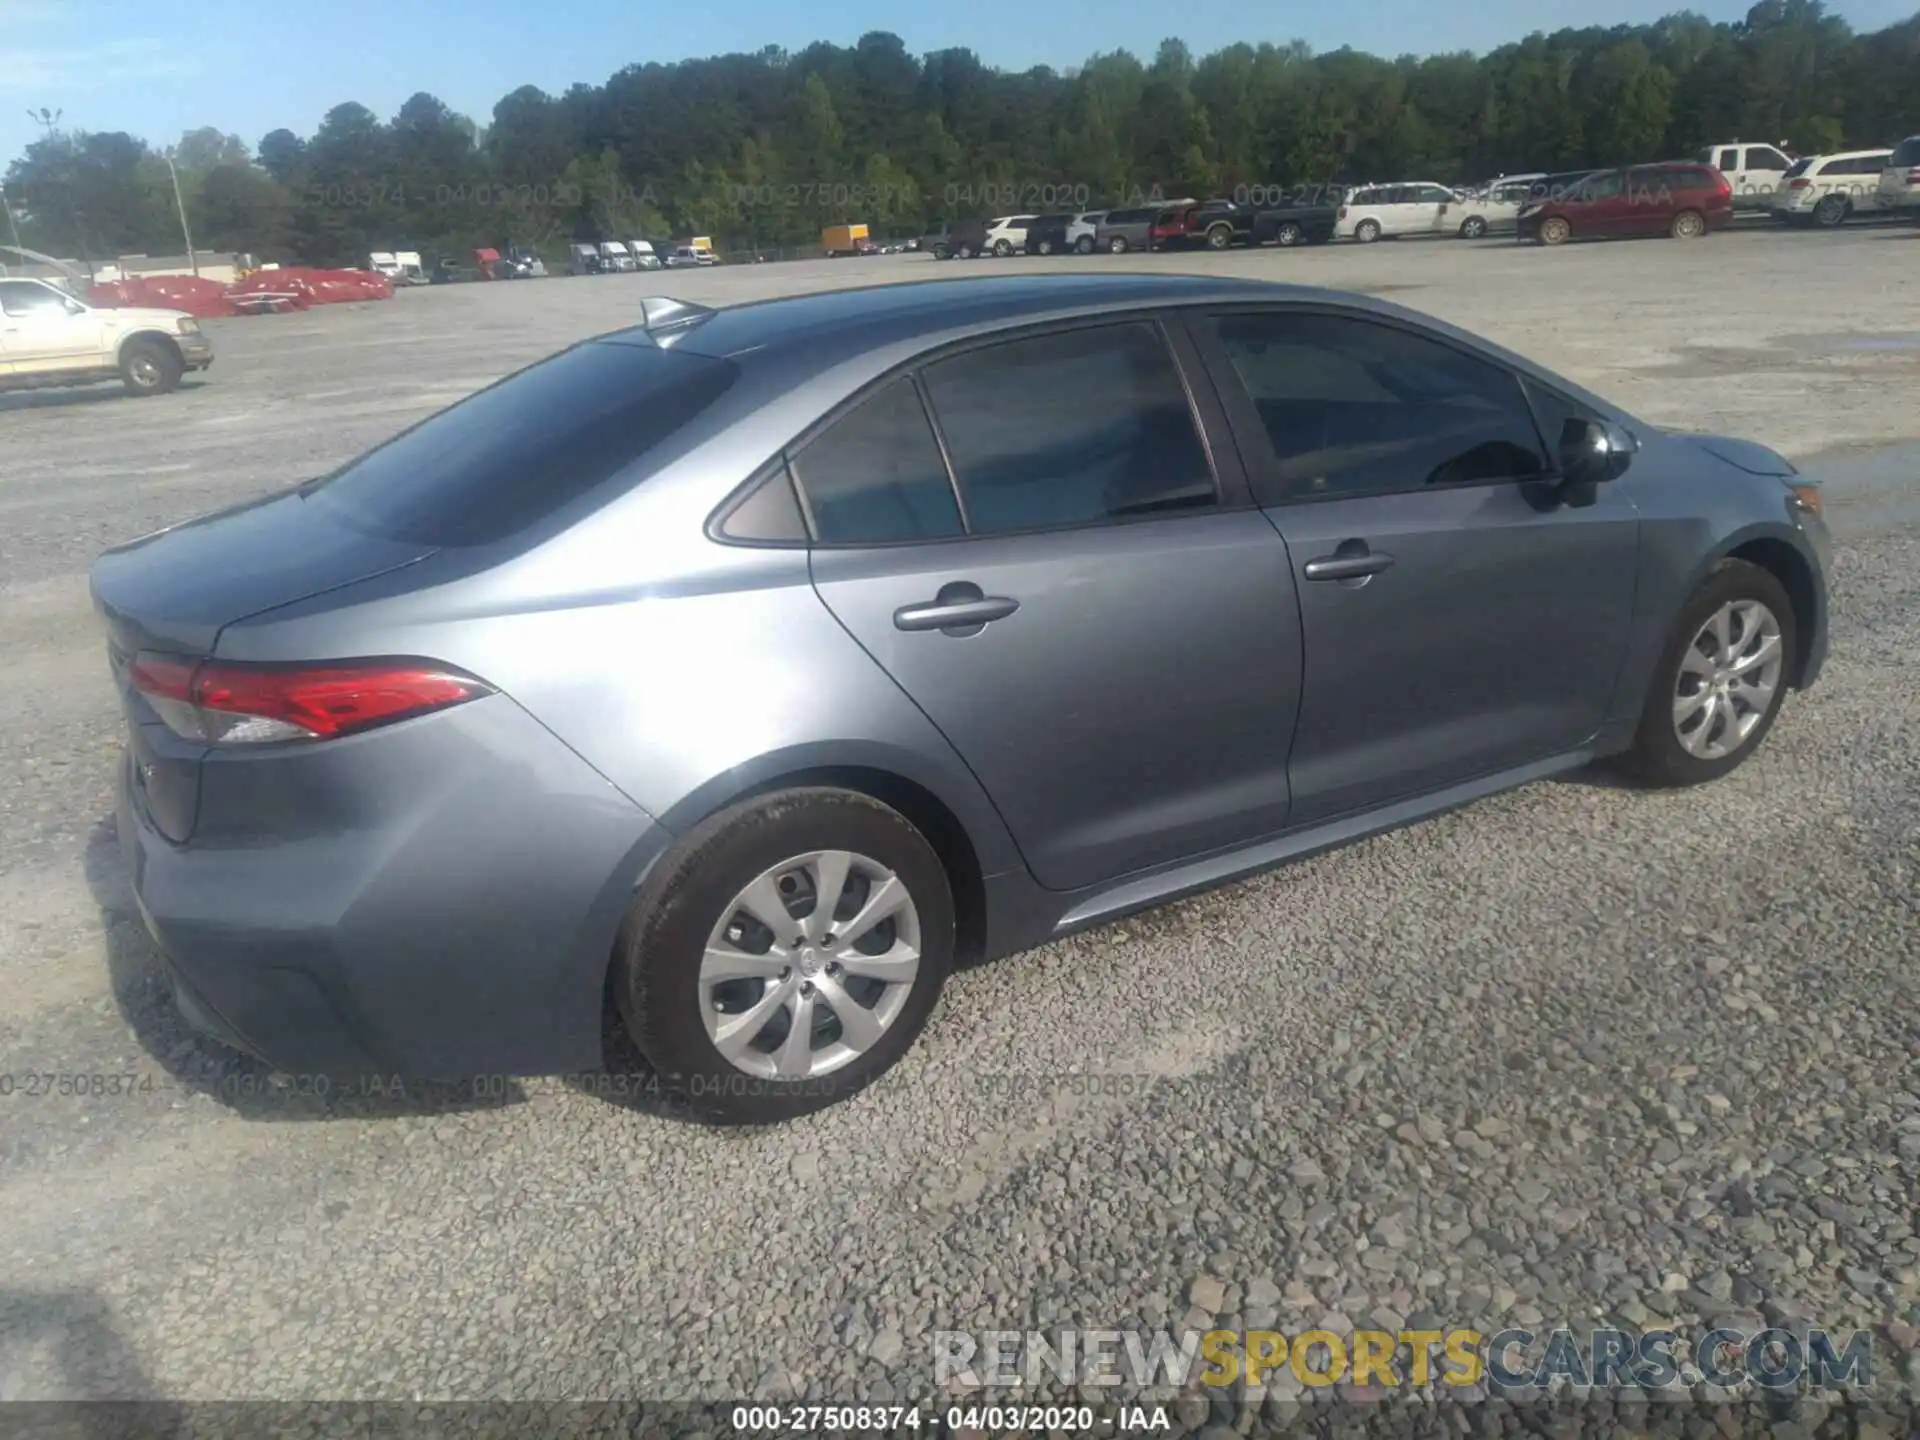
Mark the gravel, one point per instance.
(1577, 1055)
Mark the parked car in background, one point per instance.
(1494, 209)
(1899, 187)
(1753, 171)
(1083, 231)
(1392, 211)
(1047, 235)
(583, 259)
(1210, 224)
(49, 338)
(1007, 233)
(645, 257)
(959, 240)
(1307, 216)
(1124, 230)
(1825, 190)
(1679, 198)
(1322, 566)
(614, 255)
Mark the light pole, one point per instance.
(12, 224)
(181, 205)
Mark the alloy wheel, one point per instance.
(1729, 675)
(809, 965)
(145, 370)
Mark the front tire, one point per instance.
(1002, 249)
(1689, 225)
(1045, 247)
(149, 367)
(1117, 245)
(1721, 679)
(811, 907)
(1289, 234)
(1555, 230)
(1084, 245)
(1474, 228)
(1219, 237)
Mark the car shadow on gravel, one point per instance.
(200, 1065)
(62, 1346)
(105, 393)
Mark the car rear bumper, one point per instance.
(438, 900)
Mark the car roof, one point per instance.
(831, 324)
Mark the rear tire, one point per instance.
(1473, 228)
(1688, 225)
(1219, 237)
(1002, 249)
(1117, 245)
(1832, 211)
(150, 367)
(675, 1001)
(1083, 246)
(1367, 231)
(1680, 704)
(1288, 234)
(1045, 247)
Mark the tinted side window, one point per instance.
(18, 297)
(875, 477)
(1729, 160)
(1907, 152)
(1031, 452)
(1765, 157)
(508, 457)
(1353, 407)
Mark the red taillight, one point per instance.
(1800, 184)
(1722, 185)
(1343, 212)
(227, 704)
(1913, 176)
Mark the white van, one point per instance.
(1418, 207)
(1899, 187)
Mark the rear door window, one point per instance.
(1120, 442)
(516, 453)
(1729, 160)
(1907, 152)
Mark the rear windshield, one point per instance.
(1798, 167)
(1907, 152)
(502, 460)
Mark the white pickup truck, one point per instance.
(49, 338)
(1754, 171)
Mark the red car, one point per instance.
(1678, 198)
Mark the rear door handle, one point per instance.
(959, 609)
(1349, 563)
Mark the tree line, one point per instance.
(760, 151)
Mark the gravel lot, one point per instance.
(1576, 1053)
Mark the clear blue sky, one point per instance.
(156, 68)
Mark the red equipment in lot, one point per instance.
(295, 288)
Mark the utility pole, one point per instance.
(181, 205)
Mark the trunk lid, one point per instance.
(174, 591)
(177, 589)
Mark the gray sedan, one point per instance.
(745, 670)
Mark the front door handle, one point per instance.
(1352, 561)
(960, 609)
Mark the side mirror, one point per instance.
(1592, 451)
